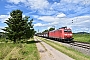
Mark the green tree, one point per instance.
(32, 31)
(45, 31)
(29, 30)
(18, 27)
(51, 29)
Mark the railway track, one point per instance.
(80, 44)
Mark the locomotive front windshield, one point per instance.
(67, 30)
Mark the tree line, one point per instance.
(50, 29)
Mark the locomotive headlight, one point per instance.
(70, 34)
(65, 34)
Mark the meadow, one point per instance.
(19, 51)
(82, 37)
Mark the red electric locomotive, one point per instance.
(64, 34)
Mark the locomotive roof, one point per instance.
(63, 27)
(60, 28)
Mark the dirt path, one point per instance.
(49, 53)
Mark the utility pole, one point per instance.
(38, 30)
(0, 29)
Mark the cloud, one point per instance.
(48, 18)
(16, 1)
(35, 16)
(45, 25)
(38, 24)
(73, 23)
(3, 18)
(71, 8)
(10, 6)
(47, 12)
(37, 4)
(83, 2)
(61, 15)
(32, 4)
(45, 7)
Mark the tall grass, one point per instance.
(30, 51)
(5, 48)
(25, 51)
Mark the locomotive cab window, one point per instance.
(67, 30)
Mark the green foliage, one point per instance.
(51, 29)
(29, 31)
(2, 35)
(45, 31)
(18, 27)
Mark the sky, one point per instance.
(74, 14)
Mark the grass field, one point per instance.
(82, 37)
(69, 51)
(21, 51)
